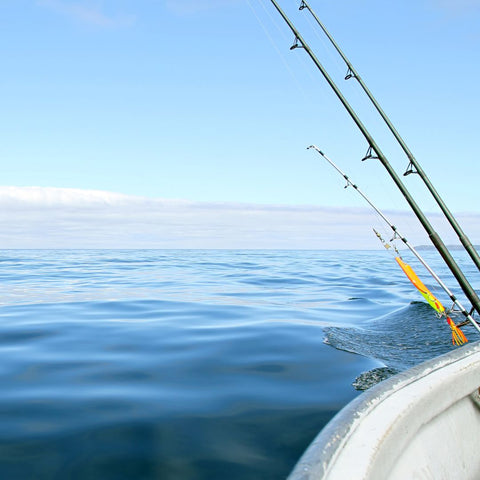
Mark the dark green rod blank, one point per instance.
(352, 73)
(434, 237)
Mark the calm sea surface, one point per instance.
(154, 364)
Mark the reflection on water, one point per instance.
(191, 364)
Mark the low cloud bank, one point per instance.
(37, 217)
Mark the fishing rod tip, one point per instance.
(315, 148)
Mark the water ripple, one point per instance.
(191, 364)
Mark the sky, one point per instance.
(184, 124)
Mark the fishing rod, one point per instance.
(413, 166)
(427, 294)
(375, 152)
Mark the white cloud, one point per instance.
(88, 11)
(458, 6)
(37, 217)
(55, 197)
(193, 6)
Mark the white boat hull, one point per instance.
(420, 424)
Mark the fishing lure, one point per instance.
(458, 337)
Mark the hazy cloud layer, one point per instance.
(184, 7)
(88, 11)
(35, 217)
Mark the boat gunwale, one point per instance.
(327, 446)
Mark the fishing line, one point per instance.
(302, 60)
(283, 58)
(338, 63)
(326, 47)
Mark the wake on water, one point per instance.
(399, 340)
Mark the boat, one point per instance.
(423, 423)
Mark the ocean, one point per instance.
(196, 364)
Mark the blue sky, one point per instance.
(201, 103)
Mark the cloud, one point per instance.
(185, 7)
(458, 6)
(38, 217)
(87, 12)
